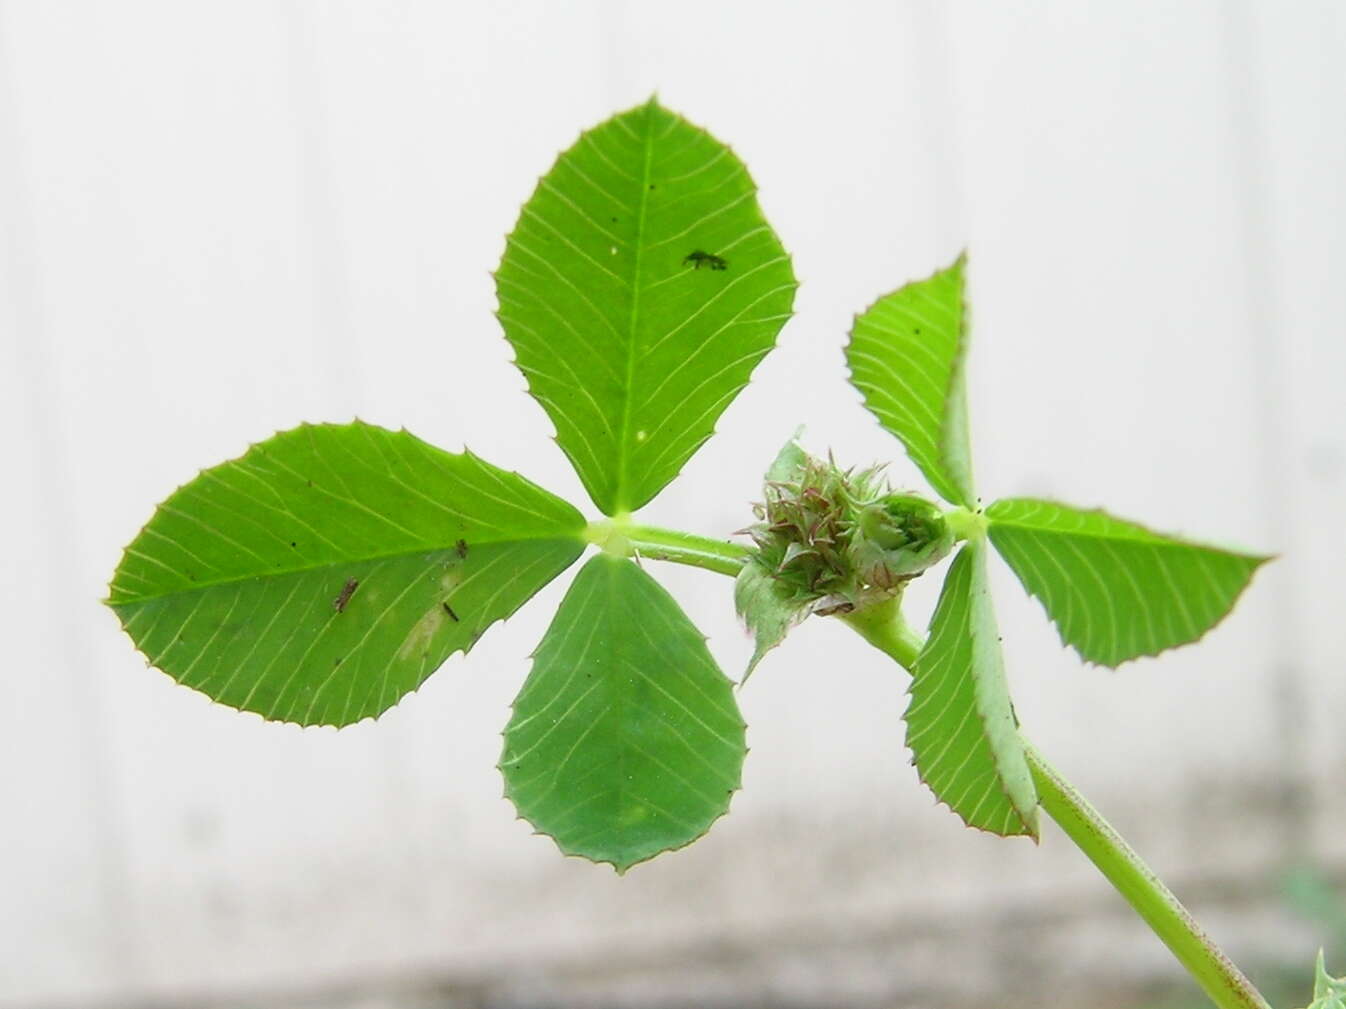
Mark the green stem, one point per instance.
(1143, 890)
(619, 536)
(885, 629)
(966, 525)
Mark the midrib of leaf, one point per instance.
(960, 722)
(227, 503)
(625, 740)
(447, 547)
(619, 495)
(898, 348)
(1115, 589)
(330, 569)
(633, 347)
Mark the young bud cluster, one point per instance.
(838, 540)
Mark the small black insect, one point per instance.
(461, 547)
(698, 259)
(344, 596)
(449, 610)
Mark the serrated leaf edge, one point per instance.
(1261, 559)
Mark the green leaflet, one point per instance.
(625, 740)
(1116, 590)
(640, 288)
(790, 461)
(766, 609)
(961, 727)
(332, 568)
(906, 357)
(759, 600)
(1328, 992)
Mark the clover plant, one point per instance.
(332, 568)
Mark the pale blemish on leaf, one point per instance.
(423, 633)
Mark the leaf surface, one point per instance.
(961, 727)
(760, 601)
(765, 609)
(625, 741)
(1114, 589)
(906, 356)
(639, 289)
(332, 568)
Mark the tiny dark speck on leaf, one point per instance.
(292, 543)
(698, 258)
(449, 610)
(461, 547)
(347, 590)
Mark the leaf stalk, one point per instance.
(620, 536)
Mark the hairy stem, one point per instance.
(884, 628)
(1143, 890)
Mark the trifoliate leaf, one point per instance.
(1114, 589)
(640, 288)
(961, 727)
(625, 740)
(906, 357)
(332, 568)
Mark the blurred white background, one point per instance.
(220, 219)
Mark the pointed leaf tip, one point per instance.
(907, 359)
(635, 356)
(1116, 590)
(625, 740)
(213, 593)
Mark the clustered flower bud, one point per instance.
(839, 540)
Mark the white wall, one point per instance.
(220, 219)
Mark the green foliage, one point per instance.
(906, 357)
(763, 603)
(640, 288)
(625, 740)
(332, 568)
(1114, 589)
(961, 727)
(327, 572)
(1328, 992)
